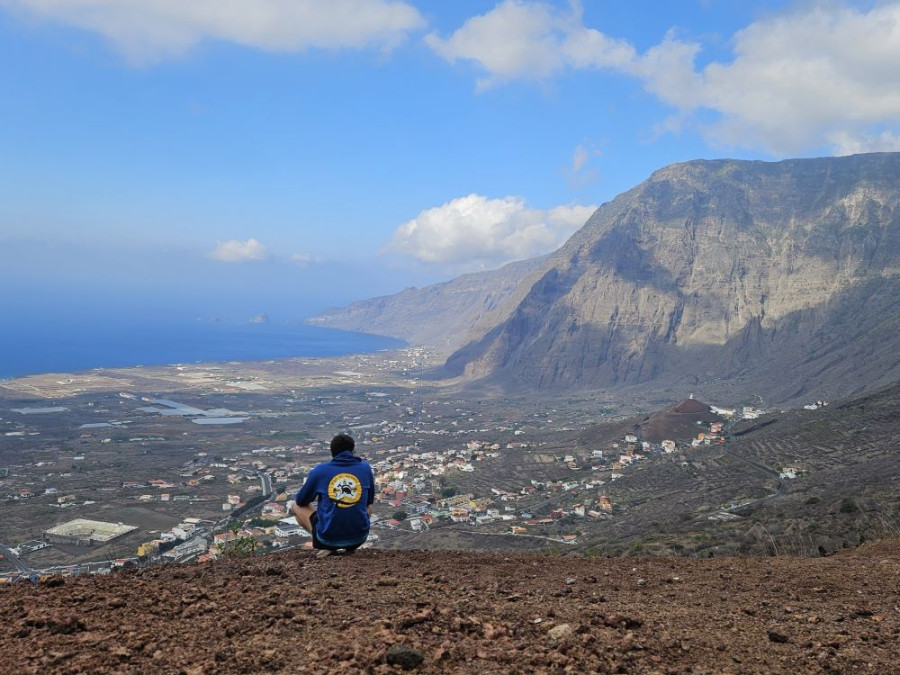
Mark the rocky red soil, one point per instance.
(433, 612)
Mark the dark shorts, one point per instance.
(327, 547)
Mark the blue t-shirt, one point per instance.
(343, 488)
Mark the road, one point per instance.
(12, 557)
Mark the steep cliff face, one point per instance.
(717, 269)
(440, 315)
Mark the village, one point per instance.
(199, 461)
(418, 490)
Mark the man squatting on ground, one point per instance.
(344, 490)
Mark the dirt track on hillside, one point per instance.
(465, 613)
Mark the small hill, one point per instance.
(439, 612)
(678, 422)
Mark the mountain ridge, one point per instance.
(737, 266)
(777, 278)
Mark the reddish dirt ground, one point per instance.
(437, 612)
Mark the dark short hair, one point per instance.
(342, 443)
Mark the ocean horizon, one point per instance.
(69, 346)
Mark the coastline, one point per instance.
(383, 367)
(134, 345)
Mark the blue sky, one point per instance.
(227, 157)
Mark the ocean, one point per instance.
(67, 344)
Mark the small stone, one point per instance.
(492, 632)
(405, 656)
(570, 581)
(775, 636)
(560, 631)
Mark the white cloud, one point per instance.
(151, 30)
(823, 75)
(237, 251)
(475, 232)
(528, 40)
(511, 41)
(800, 80)
(845, 143)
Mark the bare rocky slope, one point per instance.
(451, 612)
(779, 276)
(439, 316)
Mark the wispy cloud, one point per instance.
(824, 75)
(304, 259)
(579, 158)
(475, 232)
(235, 251)
(147, 31)
(580, 169)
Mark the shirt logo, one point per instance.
(345, 490)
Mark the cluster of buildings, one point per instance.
(404, 472)
(185, 540)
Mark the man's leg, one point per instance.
(304, 515)
(311, 516)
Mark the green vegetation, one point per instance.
(239, 546)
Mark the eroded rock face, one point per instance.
(777, 273)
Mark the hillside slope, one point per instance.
(731, 498)
(843, 464)
(781, 278)
(465, 613)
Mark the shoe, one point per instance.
(323, 553)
